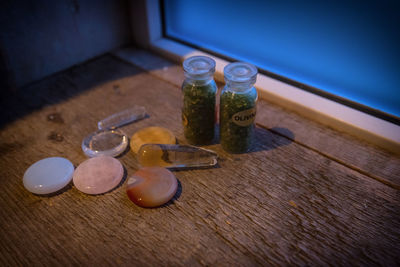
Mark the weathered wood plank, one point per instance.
(280, 204)
(355, 153)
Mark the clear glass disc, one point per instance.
(111, 142)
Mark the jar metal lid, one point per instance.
(241, 72)
(199, 66)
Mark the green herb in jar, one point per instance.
(237, 114)
(238, 107)
(198, 112)
(199, 90)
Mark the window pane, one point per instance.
(347, 48)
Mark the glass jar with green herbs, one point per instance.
(199, 96)
(238, 107)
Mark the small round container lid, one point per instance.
(98, 175)
(199, 66)
(109, 142)
(240, 72)
(48, 175)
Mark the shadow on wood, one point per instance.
(265, 139)
(62, 86)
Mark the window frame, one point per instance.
(148, 33)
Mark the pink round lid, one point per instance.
(98, 175)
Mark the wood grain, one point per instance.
(281, 204)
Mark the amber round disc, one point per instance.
(151, 135)
(151, 187)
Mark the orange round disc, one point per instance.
(151, 135)
(151, 187)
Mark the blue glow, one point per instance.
(347, 48)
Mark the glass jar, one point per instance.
(238, 107)
(199, 96)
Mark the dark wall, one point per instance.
(39, 38)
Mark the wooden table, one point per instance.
(306, 195)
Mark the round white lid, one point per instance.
(48, 175)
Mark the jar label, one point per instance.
(245, 117)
